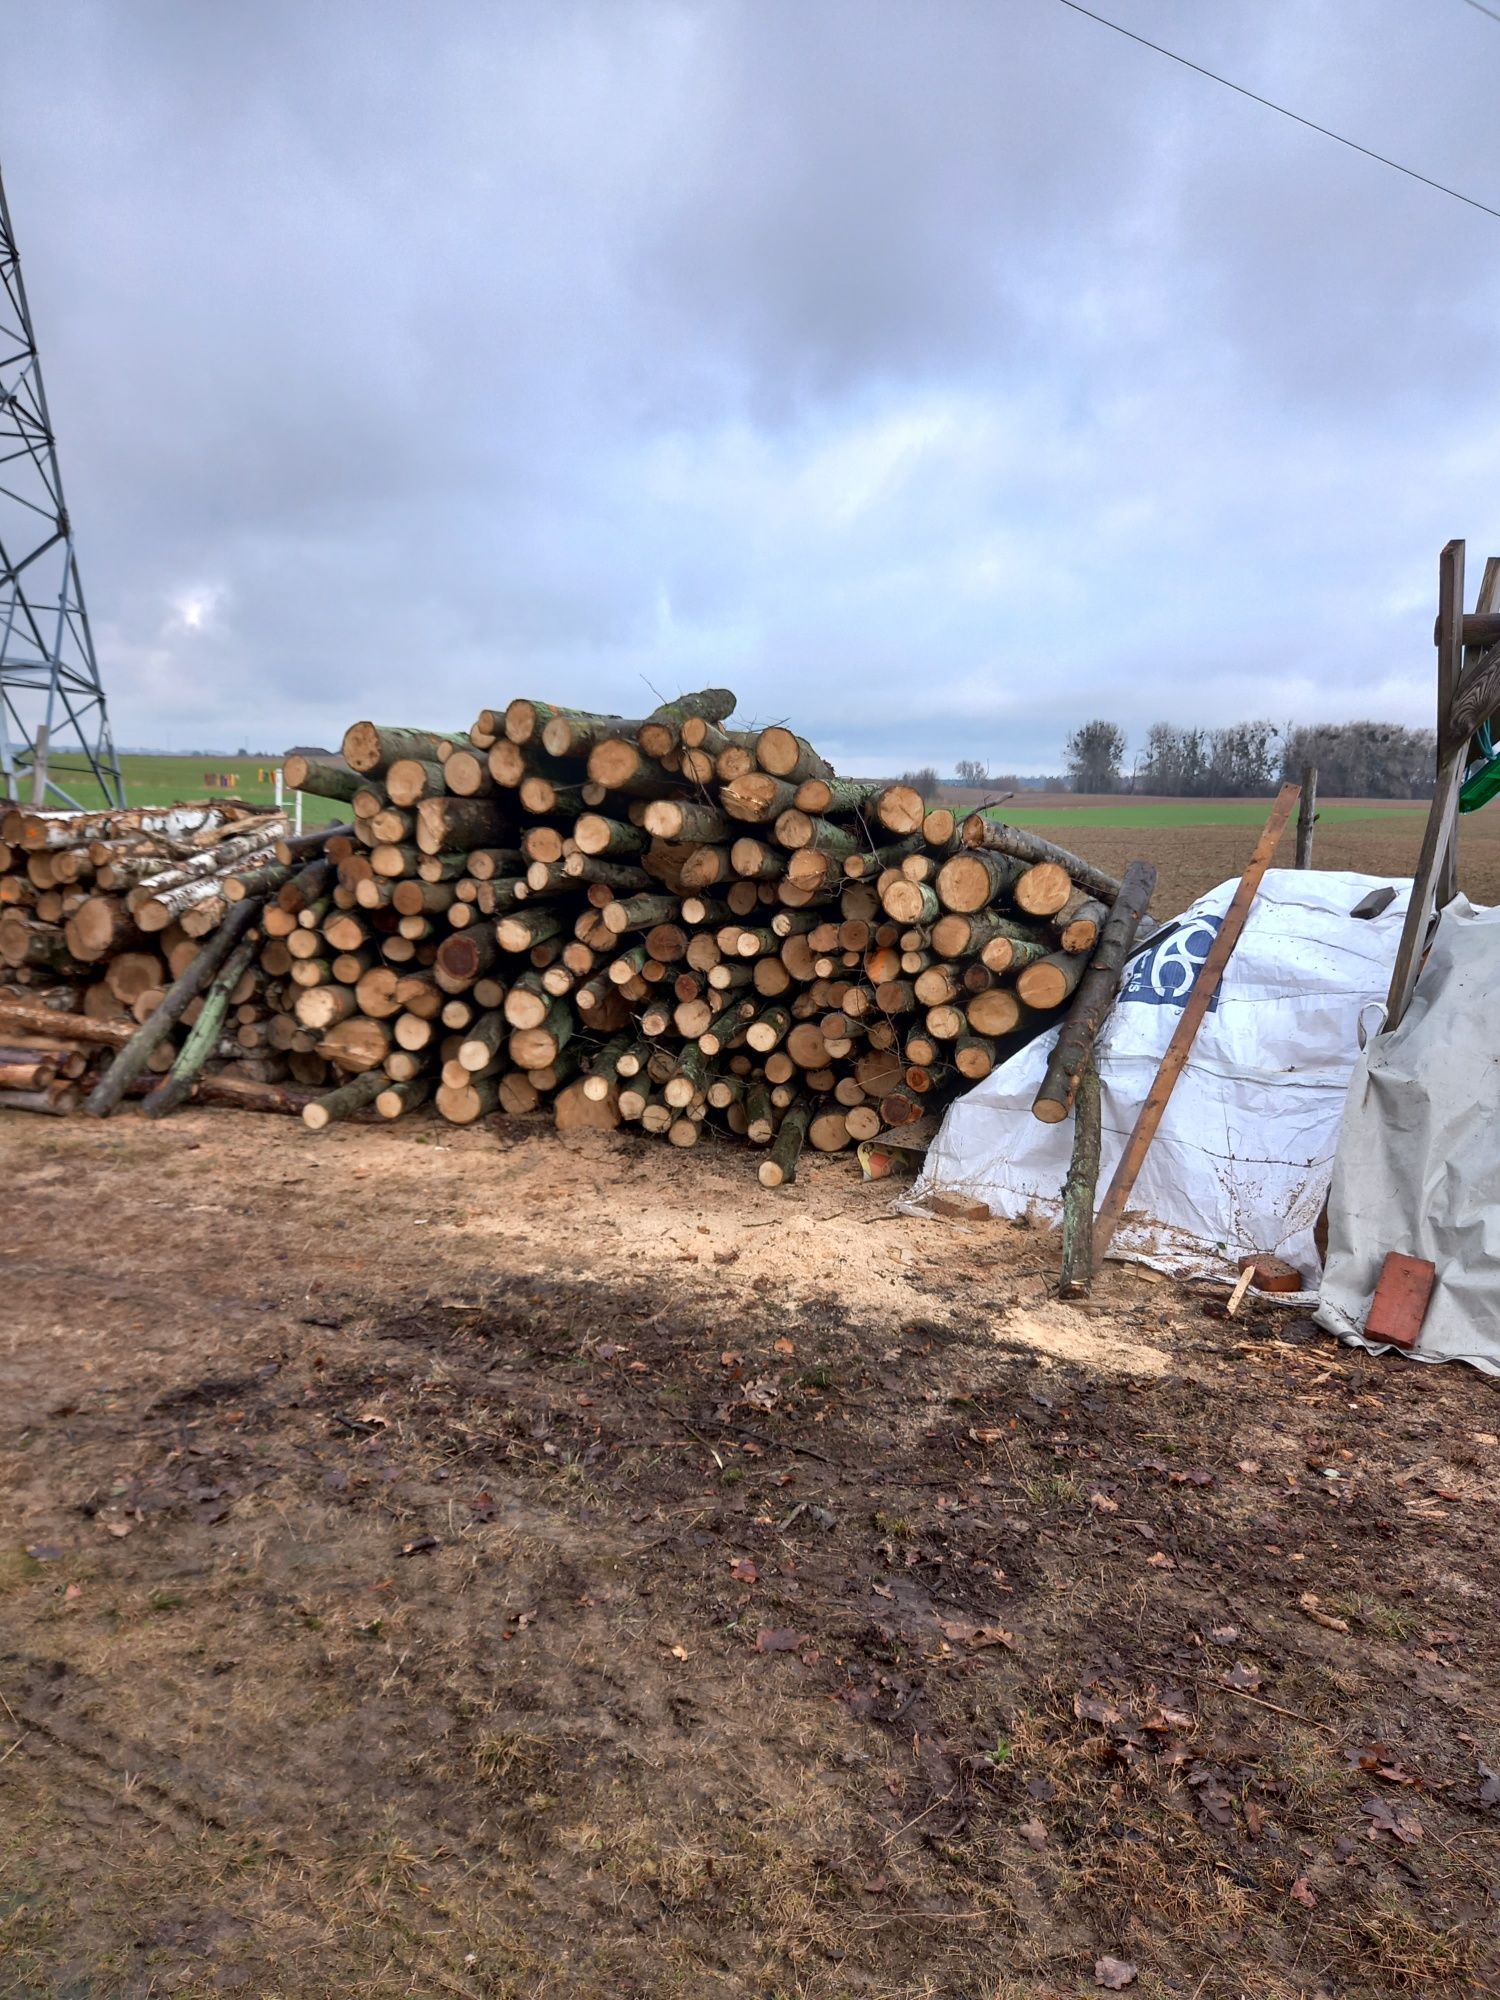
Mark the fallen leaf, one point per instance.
(1309, 1606)
(1093, 1708)
(1249, 1466)
(1161, 1560)
(1114, 1973)
(1103, 1503)
(1301, 1893)
(44, 1552)
(1033, 1833)
(779, 1639)
(1384, 1818)
(1242, 1678)
(1381, 1763)
(1223, 1635)
(679, 1652)
(743, 1570)
(119, 1528)
(964, 1634)
(784, 1346)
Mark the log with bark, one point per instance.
(1093, 996)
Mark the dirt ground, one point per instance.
(494, 1565)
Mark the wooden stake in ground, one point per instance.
(1077, 1274)
(1094, 997)
(1204, 988)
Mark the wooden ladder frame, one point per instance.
(1468, 696)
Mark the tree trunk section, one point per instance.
(1094, 997)
(1022, 845)
(348, 1098)
(779, 1168)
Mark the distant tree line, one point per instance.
(1380, 760)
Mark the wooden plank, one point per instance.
(1205, 986)
(1401, 1300)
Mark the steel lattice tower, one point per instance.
(53, 720)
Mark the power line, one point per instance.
(1480, 8)
(1295, 116)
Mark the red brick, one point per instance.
(1400, 1302)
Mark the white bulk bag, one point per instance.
(1241, 1161)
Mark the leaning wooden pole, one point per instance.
(1094, 996)
(1077, 1274)
(1205, 986)
(203, 1036)
(137, 1052)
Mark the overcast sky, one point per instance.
(936, 375)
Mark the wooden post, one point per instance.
(1307, 812)
(1204, 988)
(1077, 1274)
(39, 766)
(1439, 833)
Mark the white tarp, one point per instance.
(1242, 1159)
(1418, 1166)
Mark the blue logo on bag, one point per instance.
(1164, 975)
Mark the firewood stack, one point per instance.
(669, 922)
(100, 914)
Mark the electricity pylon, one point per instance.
(54, 724)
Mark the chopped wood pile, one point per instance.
(673, 923)
(667, 922)
(101, 915)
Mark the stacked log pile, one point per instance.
(665, 921)
(101, 914)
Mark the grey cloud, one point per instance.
(934, 376)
